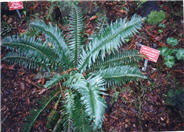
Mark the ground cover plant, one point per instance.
(156, 17)
(81, 73)
(168, 53)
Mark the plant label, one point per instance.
(15, 5)
(150, 53)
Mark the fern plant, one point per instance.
(82, 73)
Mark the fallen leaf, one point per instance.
(153, 75)
(93, 18)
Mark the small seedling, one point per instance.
(160, 31)
(172, 41)
(180, 54)
(169, 61)
(164, 51)
(161, 25)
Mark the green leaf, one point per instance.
(91, 91)
(109, 40)
(54, 36)
(172, 41)
(160, 31)
(79, 117)
(161, 25)
(69, 108)
(180, 54)
(54, 81)
(126, 57)
(24, 61)
(164, 51)
(75, 37)
(156, 17)
(32, 49)
(121, 74)
(75, 118)
(169, 61)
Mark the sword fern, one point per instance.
(82, 95)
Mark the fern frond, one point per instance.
(75, 36)
(120, 74)
(54, 80)
(54, 36)
(80, 121)
(109, 40)
(126, 57)
(32, 49)
(91, 91)
(54, 115)
(30, 63)
(75, 118)
(36, 112)
(69, 107)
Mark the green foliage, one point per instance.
(6, 28)
(180, 54)
(168, 53)
(109, 40)
(172, 41)
(155, 17)
(169, 61)
(160, 31)
(175, 98)
(81, 73)
(161, 25)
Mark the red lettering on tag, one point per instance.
(15, 5)
(150, 53)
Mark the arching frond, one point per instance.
(91, 91)
(75, 118)
(34, 114)
(54, 80)
(126, 57)
(32, 51)
(120, 74)
(109, 40)
(75, 35)
(54, 36)
(68, 110)
(29, 43)
(80, 119)
(54, 115)
(30, 63)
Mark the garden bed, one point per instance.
(135, 106)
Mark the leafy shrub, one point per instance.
(81, 72)
(155, 17)
(175, 98)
